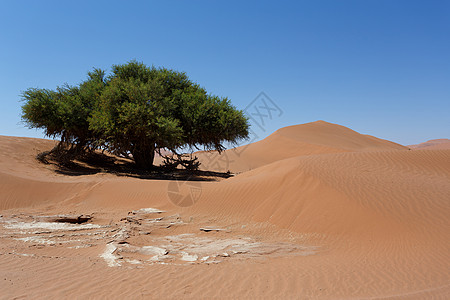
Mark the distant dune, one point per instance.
(306, 139)
(316, 211)
(432, 145)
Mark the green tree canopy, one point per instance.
(136, 110)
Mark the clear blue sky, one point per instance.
(380, 67)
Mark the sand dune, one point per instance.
(432, 145)
(306, 139)
(347, 191)
(317, 211)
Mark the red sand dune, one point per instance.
(432, 145)
(306, 139)
(334, 214)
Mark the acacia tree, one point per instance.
(137, 111)
(64, 113)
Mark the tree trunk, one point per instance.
(143, 158)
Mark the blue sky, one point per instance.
(380, 67)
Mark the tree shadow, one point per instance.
(100, 163)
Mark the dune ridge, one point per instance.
(306, 139)
(437, 144)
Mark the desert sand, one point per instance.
(315, 211)
(432, 145)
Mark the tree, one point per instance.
(136, 111)
(64, 113)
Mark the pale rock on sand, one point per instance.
(109, 256)
(148, 211)
(188, 257)
(49, 226)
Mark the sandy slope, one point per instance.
(305, 139)
(325, 212)
(432, 145)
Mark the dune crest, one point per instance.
(306, 139)
(432, 145)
